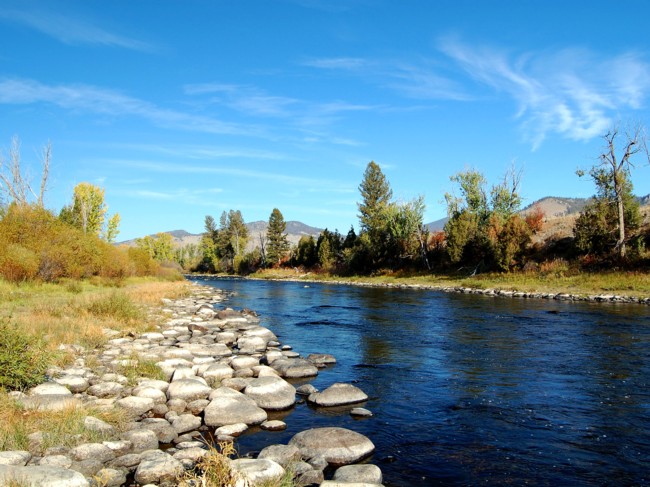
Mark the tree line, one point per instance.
(486, 229)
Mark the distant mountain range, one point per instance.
(552, 206)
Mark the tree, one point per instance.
(376, 195)
(15, 186)
(613, 180)
(159, 247)
(88, 212)
(222, 246)
(278, 244)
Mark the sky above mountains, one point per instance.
(183, 109)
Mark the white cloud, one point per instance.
(70, 30)
(92, 99)
(571, 92)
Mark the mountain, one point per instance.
(294, 231)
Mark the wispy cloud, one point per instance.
(182, 195)
(70, 30)
(307, 184)
(571, 92)
(422, 80)
(91, 99)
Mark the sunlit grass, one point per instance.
(59, 428)
(552, 278)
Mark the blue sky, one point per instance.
(181, 109)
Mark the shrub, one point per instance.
(18, 263)
(23, 359)
(116, 305)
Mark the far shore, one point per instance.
(494, 285)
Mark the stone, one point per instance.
(244, 362)
(228, 406)
(135, 406)
(110, 477)
(312, 477)
(155, 383)
(198, 406)
(157, 467)
(92, 451)
(321, 359)
(105, 389)
(87, 467)
(231, 429)
(284, 455)
(161, 427)
(306, 390)
(119, 447)
(295, 368)
(61, 461)
(41, 476)
(95, 424)
(258, 471)
(50, 402)
(193, 454)
(251, 344)
(50, 388)
(74, 383)
(188, 390)
(338, 394)
(271, 392)
(275, 425)
(215, 373)
(369, 474)
(339, 446)
(185, 423)
(149, 392)
(18, 457)
(141, 440)
(129, 461)
(361, 413)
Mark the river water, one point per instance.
(469, 389)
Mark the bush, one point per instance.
(18, 264)
(116, 305)
(23, 359)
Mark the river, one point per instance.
(470, 389)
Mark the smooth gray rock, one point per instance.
(61, 461)
(215, 373)
(105, 389)
(141, 440)
(158, 467)
(229, 407)
(275, 425)
(319, 359)
(256, 470)
(74, 383)
(111, 477)
(271, 392)
(370, 474)
(185, 423)
(135, 406)
(41, 476)
(294, 368)
(339, 446)
(50, 402)
(188, 390)
(150, 392)
(97, 425)
(17, 458)
(92, 451)
(281, 454)
(161, 427)
(338, 394)
(50, 388)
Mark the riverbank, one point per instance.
(143, 407)
(612, 287)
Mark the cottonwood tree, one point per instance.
(88, 212)
(278, 244)
(223, 247)
(160, 247)
(612, 176)
(15, 185)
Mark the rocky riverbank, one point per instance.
(223, 372)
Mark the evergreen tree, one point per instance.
(376, 195)
(278, 245)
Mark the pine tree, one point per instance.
(278, 245)
(376, 195)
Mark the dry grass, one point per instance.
(78, 312)
(59, 428)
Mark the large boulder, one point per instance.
(294, 368)
(42, 476)
(258, 471)
(188, 390)
(338, 446)
(338, 394)
(228, 406)
(158, 467)
(272, 393)
(368, 473)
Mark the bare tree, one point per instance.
(618, 170)
(15, 186)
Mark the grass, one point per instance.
(135, 367)
(60, 428)
(554, 277)
(78, 312)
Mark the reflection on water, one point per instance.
(470, 389)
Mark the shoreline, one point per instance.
(489, 292)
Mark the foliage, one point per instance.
(220, 246)
(88, 212)
(15, 186)
(305, 253)
(375, 198)
(118, 306)
(136, 367)
(278, 245)
(213, 469)
(160, 247)
(486, 232)
(22, 359)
